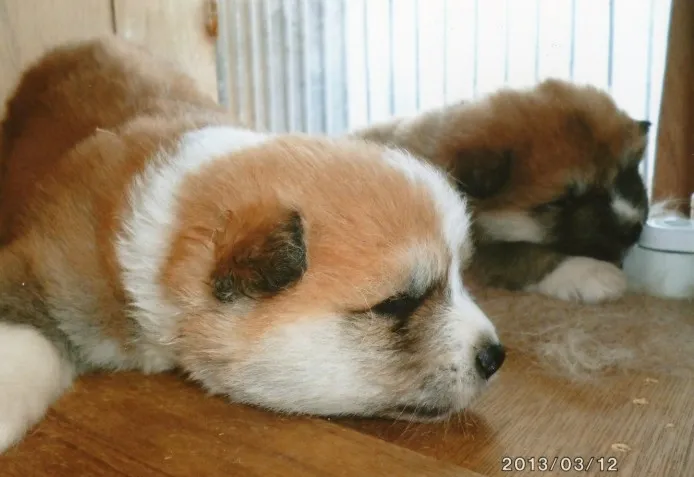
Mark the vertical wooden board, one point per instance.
(658, 55)
(674, 174)
(174, 29)
(30, 27)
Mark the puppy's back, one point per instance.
(70, 93)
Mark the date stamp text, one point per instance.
(559, 464)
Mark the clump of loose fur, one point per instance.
(637, 333)
(668, 208)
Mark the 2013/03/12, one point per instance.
(564, 464)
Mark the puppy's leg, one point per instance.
(533, 267)
(33, 374)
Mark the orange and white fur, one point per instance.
(142, 230)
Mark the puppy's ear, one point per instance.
(258, 253)
(482, 173)
(644, 127)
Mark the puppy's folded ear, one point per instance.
(258, 253)
(482, 173)
(644, 127)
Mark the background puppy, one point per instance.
(552, 174)
(300, 274)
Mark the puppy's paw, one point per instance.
(33, 374)
(14, 423)
(583, 279)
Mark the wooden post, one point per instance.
(674, 170)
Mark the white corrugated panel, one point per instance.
(328, 66)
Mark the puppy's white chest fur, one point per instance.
(143, 247)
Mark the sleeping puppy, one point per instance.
(298, 274)
(552, 176)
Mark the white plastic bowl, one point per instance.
(662, 264)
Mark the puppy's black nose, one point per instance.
(634, 232)
(489, 359)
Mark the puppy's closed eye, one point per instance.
(398, 305)
(401, 307)
(398, 308)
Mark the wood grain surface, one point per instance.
(674, 176)
(640, 425)
(134, 425)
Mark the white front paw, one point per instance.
(33, 374)
(13, 425)
(583, 279)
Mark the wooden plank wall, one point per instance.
(175, 29)
(30, 27)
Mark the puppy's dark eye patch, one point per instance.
(399, 308)
(398, 305)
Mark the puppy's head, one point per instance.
(557, 164)
(324, 277)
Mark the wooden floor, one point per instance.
(132, 425)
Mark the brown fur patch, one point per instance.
(73, 184)
(541, 167)
(340, 259)
(85, 115)
(73, 92)
(152, 248)
(556, 132)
